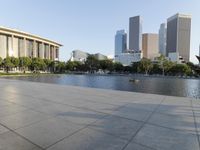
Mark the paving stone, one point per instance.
(86, 119)
(117, 126)
(10, 110)
(80, 116)
(30, 102)
(11, 141)
(135, 146)
(4, 103)
(131, 113)
(49, 131)
(174, 121)
(22, 119)
(89, 139)
(144, 105)
(3, 129)
(175, 110)
(165, 139)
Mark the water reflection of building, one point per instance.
(16, 43)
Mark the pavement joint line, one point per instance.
(144, 146)
(195, 122)
(13, 131)
(83, 108)
(179, 130)
(86, 126)
(44, 99)
(15, 112)
(109, 113)
(33, 123)
(145, 122)
(90, 127)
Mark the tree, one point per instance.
(118, 67)
(7, 64)
(135, 67)
(180, 69)
(38, 64)
(74, 66)
(164, 64)
(156, 69)
(15, 61)
(92, 63)
(69, 66)
(60, 67)
(48, 64)
(145, 65)
(1, 62)
(106, 65)
(24, 63)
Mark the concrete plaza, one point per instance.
(38, 116)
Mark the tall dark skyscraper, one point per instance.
(135, 33)
(178, 35)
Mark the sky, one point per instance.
(90, 25)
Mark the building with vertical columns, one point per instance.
(14, 43)
(178, 36)
(135, 33)
(150, 45)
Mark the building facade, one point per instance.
(81, 56)
(135, 33)
(126, 59)
(162, 39)
(78, 55)
(120, 42)
(150, 45)
(100, 56)
(178, 35)
(14, 43)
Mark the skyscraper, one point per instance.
(120, 42)
(162, 39)
(199, 50)
(150, 45)
(135, 33)
(198, 57)
(178, 36)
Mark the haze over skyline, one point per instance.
(91, 25)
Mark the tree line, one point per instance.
(160, 66)
(30, 64)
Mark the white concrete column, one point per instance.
(12, 46)
(42, 51)
(54, 53)
(58, 52)
(25, 47)
(49, 51)
(34, 48)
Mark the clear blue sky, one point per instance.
(90, 25)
